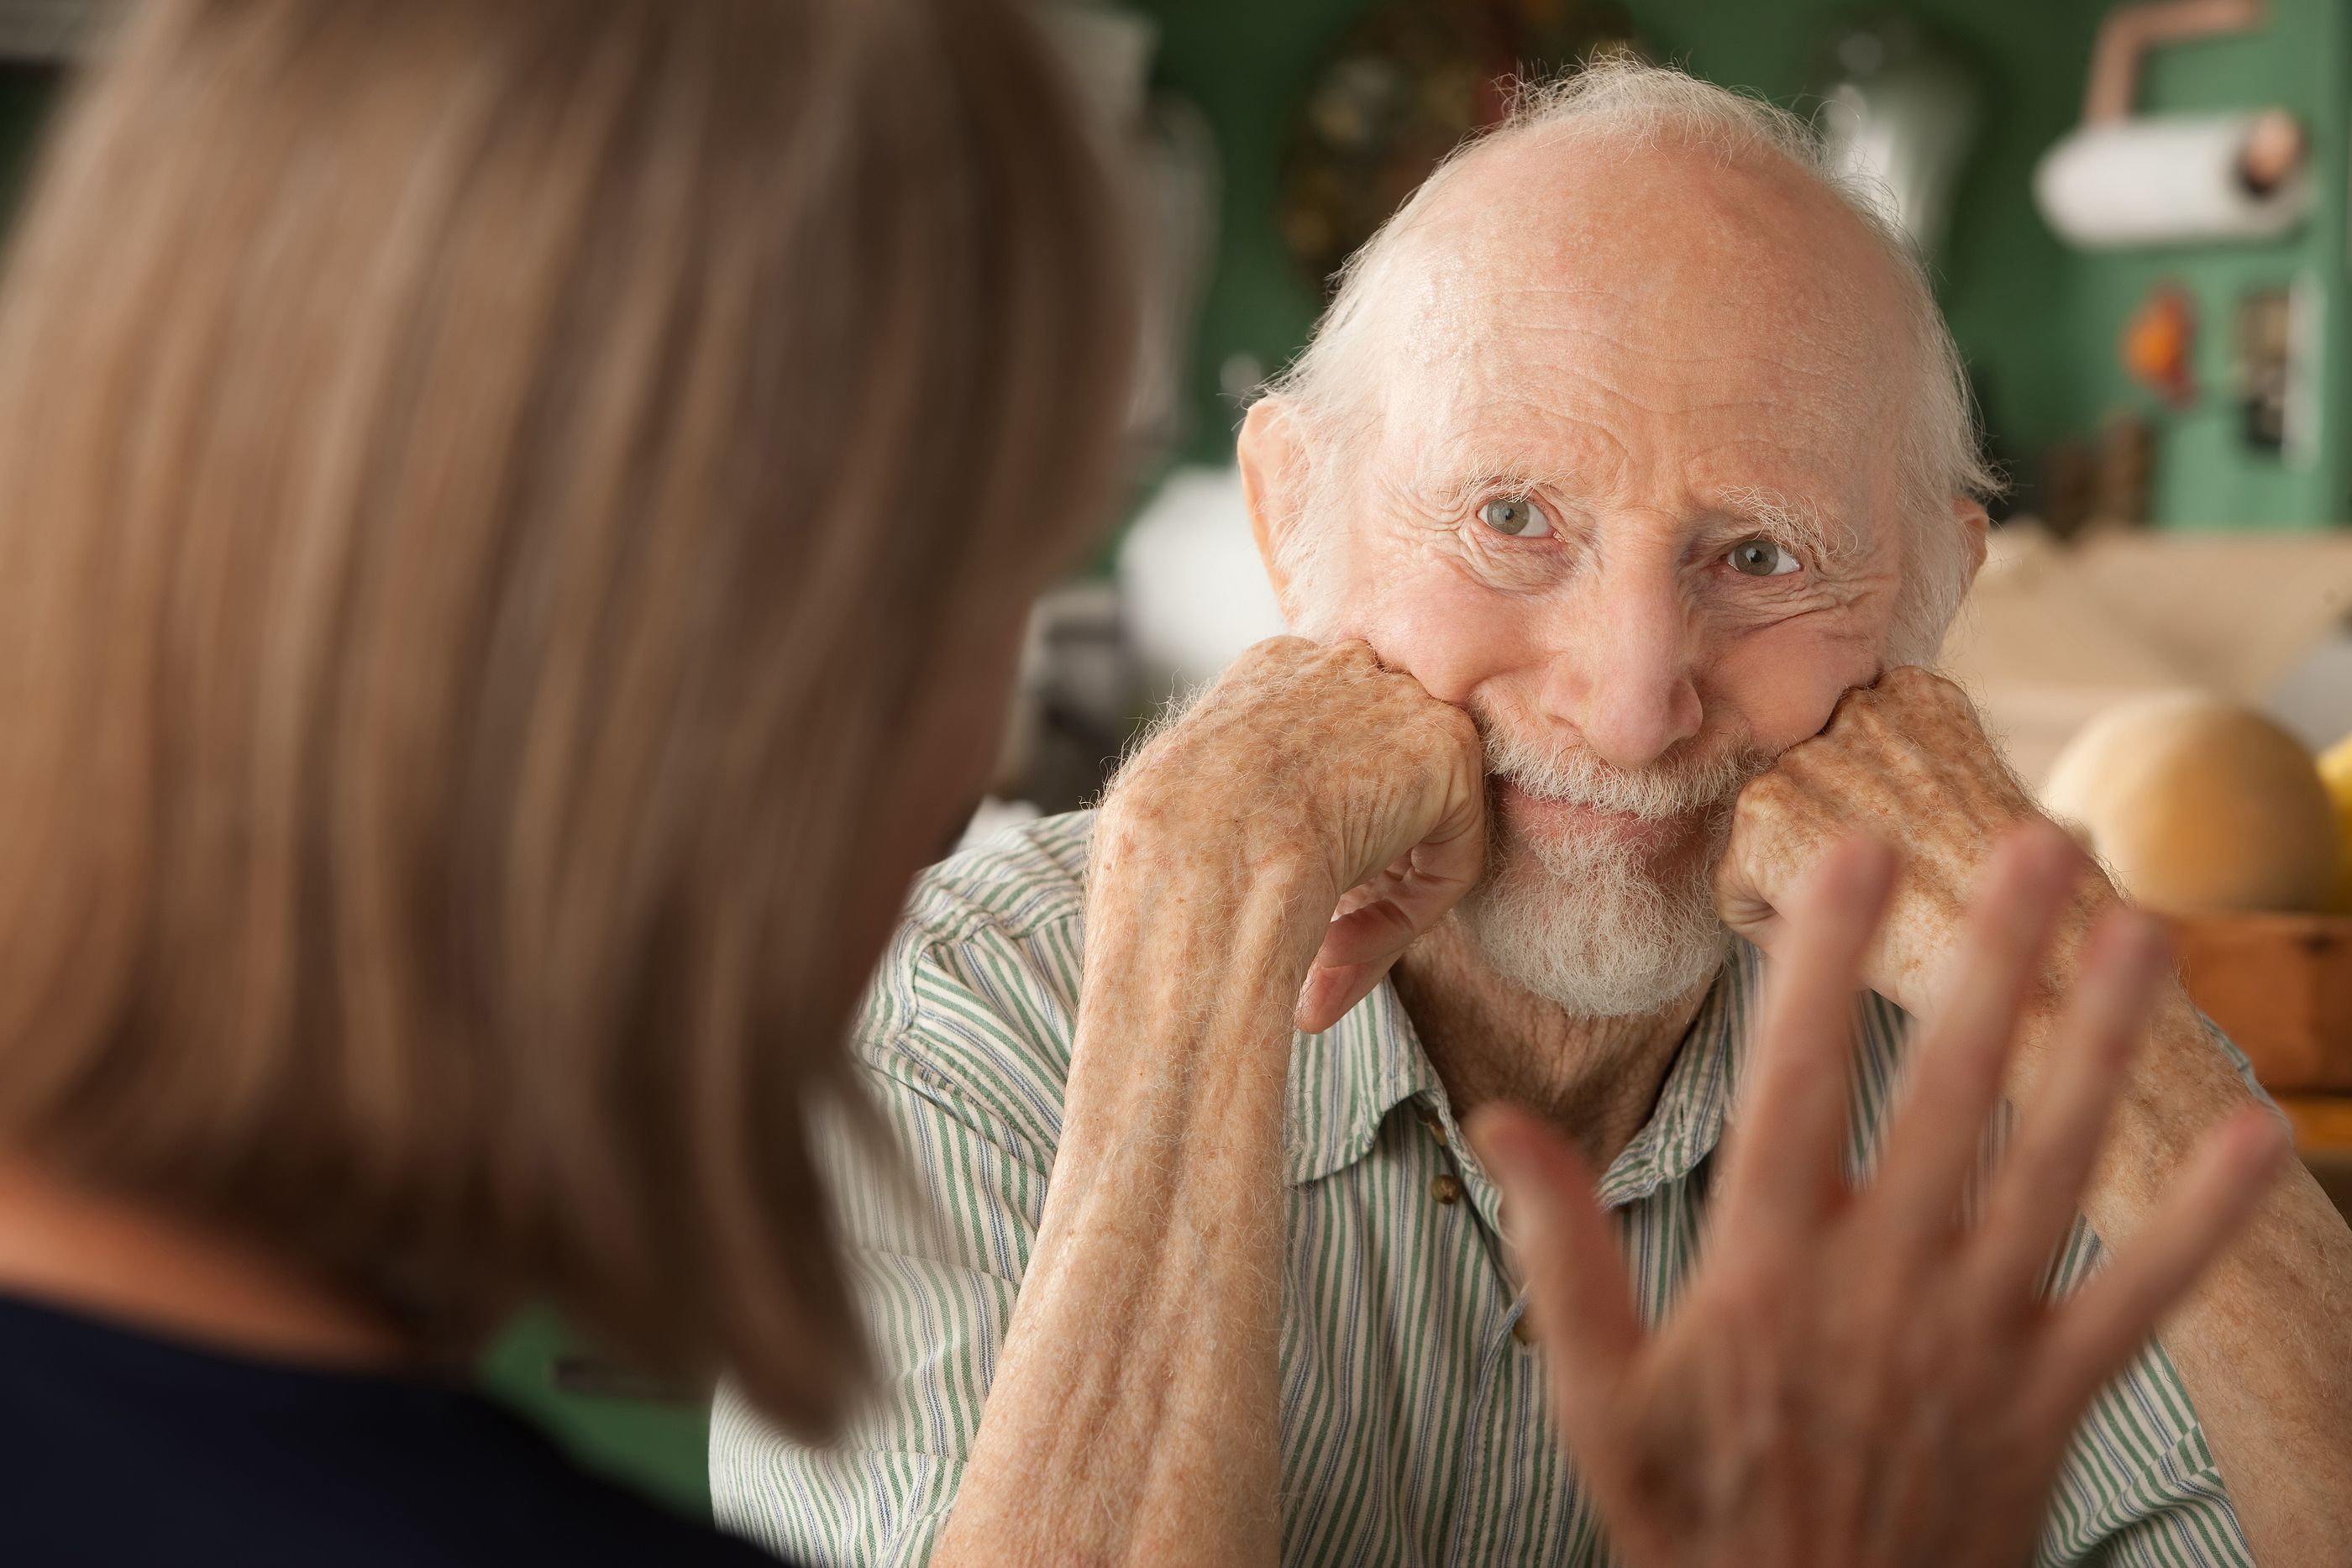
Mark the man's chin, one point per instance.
(1600, 924)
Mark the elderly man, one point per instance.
(1636, 439)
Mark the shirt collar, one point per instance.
(1345, 1082)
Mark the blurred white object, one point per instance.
(1902, 116)
(1074, 700)
(1110, 49)
(2053, 635)
(2164, 180)
(1165, 156)
(2314, 697)
(2120, 179)
(993, 817)
(1194, 591)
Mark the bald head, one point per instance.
(1650, 235)
(1633, 216)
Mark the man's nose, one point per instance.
(1621, 669)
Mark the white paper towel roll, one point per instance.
(2160, 180)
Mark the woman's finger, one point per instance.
(1566, 1251)
(2104, 1323)
(1937, 1132)
(1782, 1161)
(2039, 1189)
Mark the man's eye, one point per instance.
(1518, 516)
(1761, 558)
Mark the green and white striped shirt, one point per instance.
(1414, 1425)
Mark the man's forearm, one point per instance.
(2264, 1344)
(1132, 1417)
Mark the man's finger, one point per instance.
(2093, 1334)
(2035, 1196)
(1937, 1132)
(1376, 922)
(1332, 990)
(1782, 1165)
(1566, 1251)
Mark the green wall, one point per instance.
(2037, 321)
(2204, 477)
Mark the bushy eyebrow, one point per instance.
(1796, 522)
(1454, 494)
(1792, 521)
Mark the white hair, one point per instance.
(1332, 385)
(1585, 920)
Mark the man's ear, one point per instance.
(1970, 513)
(1272, 463)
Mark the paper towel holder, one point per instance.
(2120, 179)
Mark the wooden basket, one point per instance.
(2280, 986)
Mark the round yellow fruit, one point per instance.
(2335, 773)
(2197, 803)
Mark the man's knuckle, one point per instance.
(1274, 653)
(1453, 722)
(1770, 793)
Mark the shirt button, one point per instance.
(1436, 1126)
(1445, 1188)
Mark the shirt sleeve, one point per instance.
(962, 1050)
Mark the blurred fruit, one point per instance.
(2197, 803)
(2336, 772)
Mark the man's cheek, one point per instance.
(1784, 681)
(1450, 636)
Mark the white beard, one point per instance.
(1589, 923)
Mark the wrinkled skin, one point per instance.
(1335, 753)
(1905, 760)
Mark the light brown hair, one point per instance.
(481, 482)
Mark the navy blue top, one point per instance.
(118, 1448)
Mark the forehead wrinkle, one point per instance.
(1517, 438)
(1650, 229)
(1617, 315)
(1578, 371)
(1738, 372)
(1814, 413)
(1798, 315)
(1568, 432)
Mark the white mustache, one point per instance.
(1654, 794)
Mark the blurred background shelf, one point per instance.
(2323, 1137)
(2280, 986)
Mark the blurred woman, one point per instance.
(514, 518)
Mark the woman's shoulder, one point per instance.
(125, 1447)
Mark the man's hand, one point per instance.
(1853, 1377)
(2264, 1346)
(1135, 1416)
(1316, 763)
(1904, 760)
